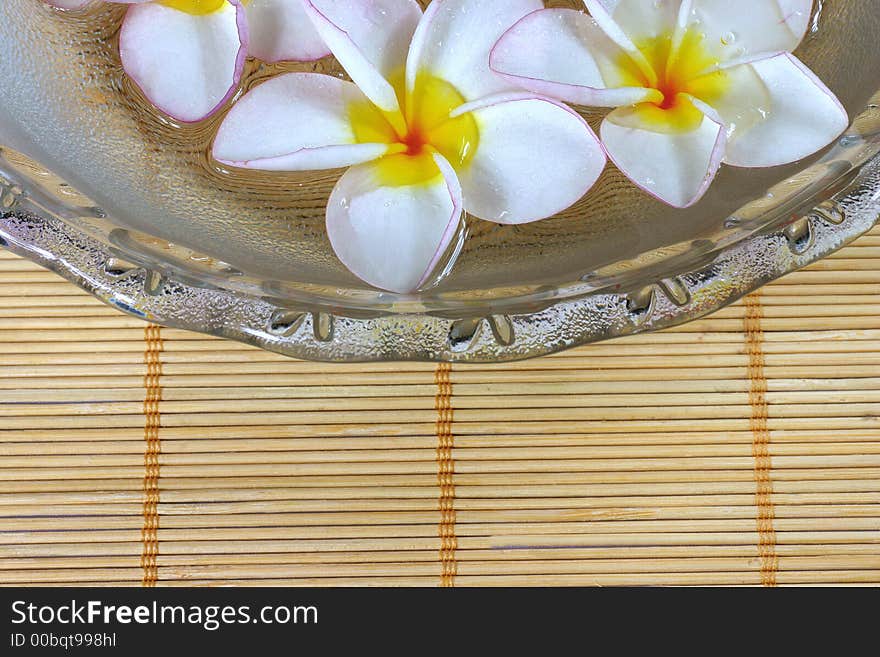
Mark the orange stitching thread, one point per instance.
(445, 474)
(152, 449)
(761, 440)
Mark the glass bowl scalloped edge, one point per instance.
(827, 206)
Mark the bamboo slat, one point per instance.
(742, 449)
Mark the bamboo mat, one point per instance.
(742, 449)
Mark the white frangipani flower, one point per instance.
(427, 129)
(696, 83)
(187, 56)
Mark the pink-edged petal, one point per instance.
(454, 39)
(294, 122)
(801, 117)
(393, 237)
(370, 38)
(188, 66)
(564, 54)
(676, 167)
(608, 18)
(743, 102)
(640, 19)
(746, 30)
(535, 158)
(280, 30)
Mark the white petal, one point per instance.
(294, 122)
(798, 14)
(455, 37)
(280, 30)
(564, 54)
(622, 33)
(186, 65)
(749, 29)
(802, 117)
(370, 38)
(742, 103)
(675, 167)
(535, 158)
(393, 237)
(641, 19)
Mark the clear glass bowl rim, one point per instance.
(836, 200)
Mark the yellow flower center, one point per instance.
(688, 68)
(196, 7)
(422, 128)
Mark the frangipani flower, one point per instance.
(187, 56)
(696, 83)
(427, 129)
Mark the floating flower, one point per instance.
(187, 56)
(427, 129)
(695, 83)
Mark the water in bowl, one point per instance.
(67, 103)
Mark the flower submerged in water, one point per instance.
(696, 83)
(427, 129)
(187, 56)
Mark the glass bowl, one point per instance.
(99, 187)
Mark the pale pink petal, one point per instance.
(280, 30)
(370, 38)
(455, 37)
(675, 167)
(802, 116)
(393, 237)
(746, 30)
(294, 122)
(188, 66)
(564, 54)
(535, 158)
